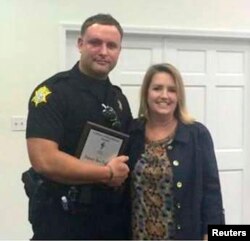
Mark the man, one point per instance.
(72, 198)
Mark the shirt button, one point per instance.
(179, 184)
(178, 205)
(176, 163)
(170, 147)
(178, 227)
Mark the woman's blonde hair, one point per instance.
(181, 112)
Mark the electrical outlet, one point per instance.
(18, 123)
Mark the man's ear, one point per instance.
(79, 43)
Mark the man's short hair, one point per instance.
(104, 19)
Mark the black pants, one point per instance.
(97, 222)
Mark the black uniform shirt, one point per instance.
(60, 106)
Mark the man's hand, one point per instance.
(118, 170)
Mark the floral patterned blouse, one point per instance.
(153, 215)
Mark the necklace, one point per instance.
(160, 133)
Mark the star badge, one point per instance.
(41, 95)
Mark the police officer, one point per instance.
(71, 198)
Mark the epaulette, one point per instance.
(59, 77)
(117, 88)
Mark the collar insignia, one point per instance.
(41, 95)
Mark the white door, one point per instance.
(215, 73)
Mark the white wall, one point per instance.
(29, 53)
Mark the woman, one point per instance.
(175, 183)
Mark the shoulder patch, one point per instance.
(41, 95)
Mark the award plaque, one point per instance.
(100, 144)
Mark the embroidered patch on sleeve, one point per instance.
(41, 95)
